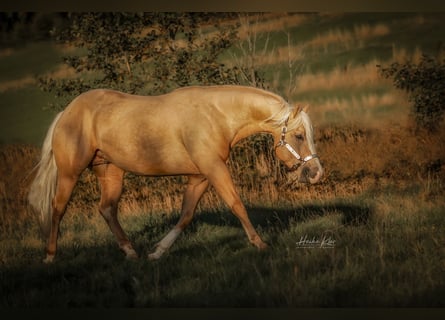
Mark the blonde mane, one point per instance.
(279, 119)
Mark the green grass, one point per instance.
(383, 247)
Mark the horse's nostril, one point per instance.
(313, 173)
(309, 175)
(305, 172)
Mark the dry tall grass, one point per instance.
(351, 77)
(355, 160)
(346, 39)
(325, 42)
(270, 22)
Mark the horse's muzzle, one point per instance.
(310, 175)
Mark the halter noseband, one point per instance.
(283, 143)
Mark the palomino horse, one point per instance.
(189, 131)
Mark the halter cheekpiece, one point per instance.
(283, 143)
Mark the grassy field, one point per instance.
(376, 219)
(376, 262)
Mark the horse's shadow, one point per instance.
(273, 219)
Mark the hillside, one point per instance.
(325, 60)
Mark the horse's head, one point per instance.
(294, 145)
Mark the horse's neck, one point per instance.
(256, 123)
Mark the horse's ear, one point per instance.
(296, 110)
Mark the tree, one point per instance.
(143, 53)
(18, 28)
(425, 84)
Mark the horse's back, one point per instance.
(193, 100)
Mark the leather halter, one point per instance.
(283, 143)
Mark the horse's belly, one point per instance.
(143, 144)
(152, 168)
(152, 162)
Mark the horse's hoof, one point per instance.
(157, 254)
(132, 256)
(257, 242)
(262, 246)
(49, 259)
(154, 256)
(130, 253)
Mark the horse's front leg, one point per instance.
(196, 186)
(221, 180)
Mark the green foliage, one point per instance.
(143, 53)
(425, 84)
(18, 28)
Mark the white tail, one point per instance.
(43, 187)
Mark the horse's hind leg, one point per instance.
(110, 179)
(65, 185)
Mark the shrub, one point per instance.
(425, 84)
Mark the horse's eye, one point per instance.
(299, 137)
